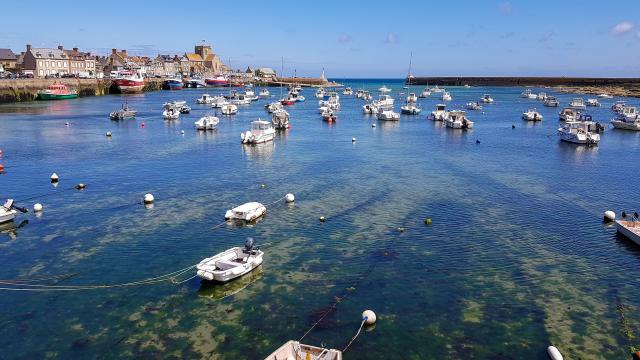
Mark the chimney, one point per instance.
(75, 49)
(28, 47)
(113, 51)
(60, 47)
(124, 51)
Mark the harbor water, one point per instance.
(516, 257)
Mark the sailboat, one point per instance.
(411, 107)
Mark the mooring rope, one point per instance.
(355, 336)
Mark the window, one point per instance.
(64, 64)
(46, 63)
(41, 72)
(40, 64)
(59, 63)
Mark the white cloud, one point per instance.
(505, 7)
(391, 38)
(622, 28)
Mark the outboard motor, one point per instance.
(10, 205)
(248, 246)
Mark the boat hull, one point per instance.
(45, 96)
(6, 216)
(172, 85)
(126, 86)
(622, 125)
(631, 232)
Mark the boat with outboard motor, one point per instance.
(261, 131)
(457, 119)
(230, 264)
(124, 113)
(630, 228)
(532, 115)
(280, 119)
(440, 113)
(207, 122)
(9, 210)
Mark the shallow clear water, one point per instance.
(517, 257)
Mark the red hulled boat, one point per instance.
(129, 82)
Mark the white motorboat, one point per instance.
(474, 105)
(440, 113)
(124, 113)
(208, 122)
(577, 103)
(446, 96)
(605, 96)
(410, 109)
(293, 350)
(384, 89)
(629, 228)
(457, 119)
(412, 98)
(261, 132)
(369, 109)
(367, 96)
(184, 109)
(177, 105)
(618, 106)
(425, 93)
(248, 212)
(218, 102)
(9, 210)
(628, 119)
(593, 102)
(487, 99)
(230, 264)
(229, 109)
(531, 115)
(250, 94)
(264, 93)
(569, 114)
(436, 89)
(541, 96)
(328, 115)
(388, 115)
(551, 101)
(580, 132)
(528, 94)
(347, 91)
(171, 114)
(384, 102)
(359, 93)
(206, 99)
(280, 119)
(240, 99)
(320, 93)
(272, 107)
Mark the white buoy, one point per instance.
(148, 198)
(369, 317)
(37, 207)
(54, 178)
(353, 139)
(554, 353)
(108, 133)
(182, 132)
(373, 125)
(289, 198)
(609, 216)
(81, 186)
(66, 124)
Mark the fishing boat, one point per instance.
(410, 109)
(294, 350)
(577, 103)
(466, 86)
(369, 109)
(457, 119)
(128, 82)
(230, 264)
(531, 115)
(436, 89)
(347, 91)
(388, 115)
(412, 98)
(425, 93)
(328, 115)
(261, 132)
(384, 102)
(264, 93)
(487, 99)
(280, 119)
(208, 122)
(9, 210)
(440, 113)
(580, 132)
(628, 119)
(618, 106)
(320, 93)
(173, 84)
(629, 228)
(57, 92)
(384, 89)
(272, 107)
(593, 102)
(446, 96)
(569, 114)
(124, 113)
(171, 114)
(551, 101)
(217, 80)
(229, 109)
(474, 105)
(196, 82)
(528, 94)
(542, 96)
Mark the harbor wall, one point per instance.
(19, 90)
(523, 81)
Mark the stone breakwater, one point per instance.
(19, 90)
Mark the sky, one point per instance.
(351, 39)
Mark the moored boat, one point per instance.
(618, 106)
(446, 96)
(629, 228)
(410, 109)
(261, 132)
(229, 109)
(440, 113)
(217, 80)
(57, 92)
(230, 264)
(577, 103)
(124, 113)
(280, 119)
(293, 350)
(580, 132)
(246, 212)
(569, 114)
(264, 93)
(457, 119)
(347, 91)
(474, 105)
(171, 114)
(412, 98)
(487, 99)
(207, 122)
(425, 93)
(388, 115)
(531, 115)
(129, 82)
(9, 210)
(593, 102)
(551, 101)
(369, 109)
(384, 89)
(173, 84)
(627, 119)
(329, 116)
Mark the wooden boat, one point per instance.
(294, 350)
(231, 263)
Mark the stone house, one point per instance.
(81, 62)
(45, 62)
(8, 59)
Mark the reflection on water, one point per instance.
(219, 291)
(263, 151)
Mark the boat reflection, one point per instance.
(219, 291)
(10, 229)
(576, 153)
(259, 151)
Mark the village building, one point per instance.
(81, 63)
(8, 60)
(46, 62)
(203, 61)
(265, 73)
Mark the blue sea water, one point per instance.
(517, 257)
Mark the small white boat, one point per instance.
(250, 94)
(577, 103)
(384, 89)
(369, 109)
(474, 106)
(218, 102)
(457, 119)
(230, 264)
(261, 132)
(527, 94)
(580, 132)
(410, 109)
(367, 96)
(328, 115)
(174, 105)
(205, 99)
(184, 109)
(436, 89)
(531, 115)
(551, 101)
(412, 98)
(384, 102)
(280, 119)
(593, 102)
(618, 106)
(425, 93)
(347, 91)
(264, 93)
(294, 350)
(487, 99)
(605, 96)
(629, 228)
(466, 86)
(240, 99)
(124, 113)
(272, 107)
(440, 113)
(320, 93)
(446, 96)
(628, 119)
(359, 93)
(388, 115)
(208, 122)
(542, 96)
(246, 212)
(229, 109)
(171, 114)
(569, 114)
(9, 210)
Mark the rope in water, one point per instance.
(354, 337)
